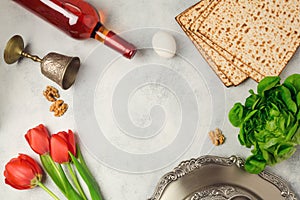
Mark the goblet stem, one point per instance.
(32, 57)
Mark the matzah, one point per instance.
(242, 66)
(214, 59)
(192, 18)
(259, 36)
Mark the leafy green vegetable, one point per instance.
(269, 121)
(255, 164)
(236, 114)
(293, 83)
(267, 83)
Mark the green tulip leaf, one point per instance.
(71, 193)
(59, 177)
(88, 179)
(53, 171)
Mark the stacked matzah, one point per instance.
(244, 38)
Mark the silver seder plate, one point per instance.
(219, 178)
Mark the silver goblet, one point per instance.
(59, 68)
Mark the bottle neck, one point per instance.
(112, 40)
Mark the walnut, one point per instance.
(59, 108)
(217, 137)
(51, 93)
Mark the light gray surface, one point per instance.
(22, 105)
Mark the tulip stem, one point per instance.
(47, 190)
(76, 181)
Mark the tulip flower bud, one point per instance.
(38, 139)
(22, 172)
(61, 144)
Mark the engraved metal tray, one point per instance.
(219, 178)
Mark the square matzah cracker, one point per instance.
(262, 34)
(192, 17)
(214, 59)
(242, 66)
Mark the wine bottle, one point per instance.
(80, 20)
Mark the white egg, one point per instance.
(164, 44)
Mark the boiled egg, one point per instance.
(164, 44)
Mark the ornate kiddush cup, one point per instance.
(59, 68)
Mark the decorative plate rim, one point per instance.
(188, 166)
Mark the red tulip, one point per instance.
(61, 144)
(22, 172)
(38, 139)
